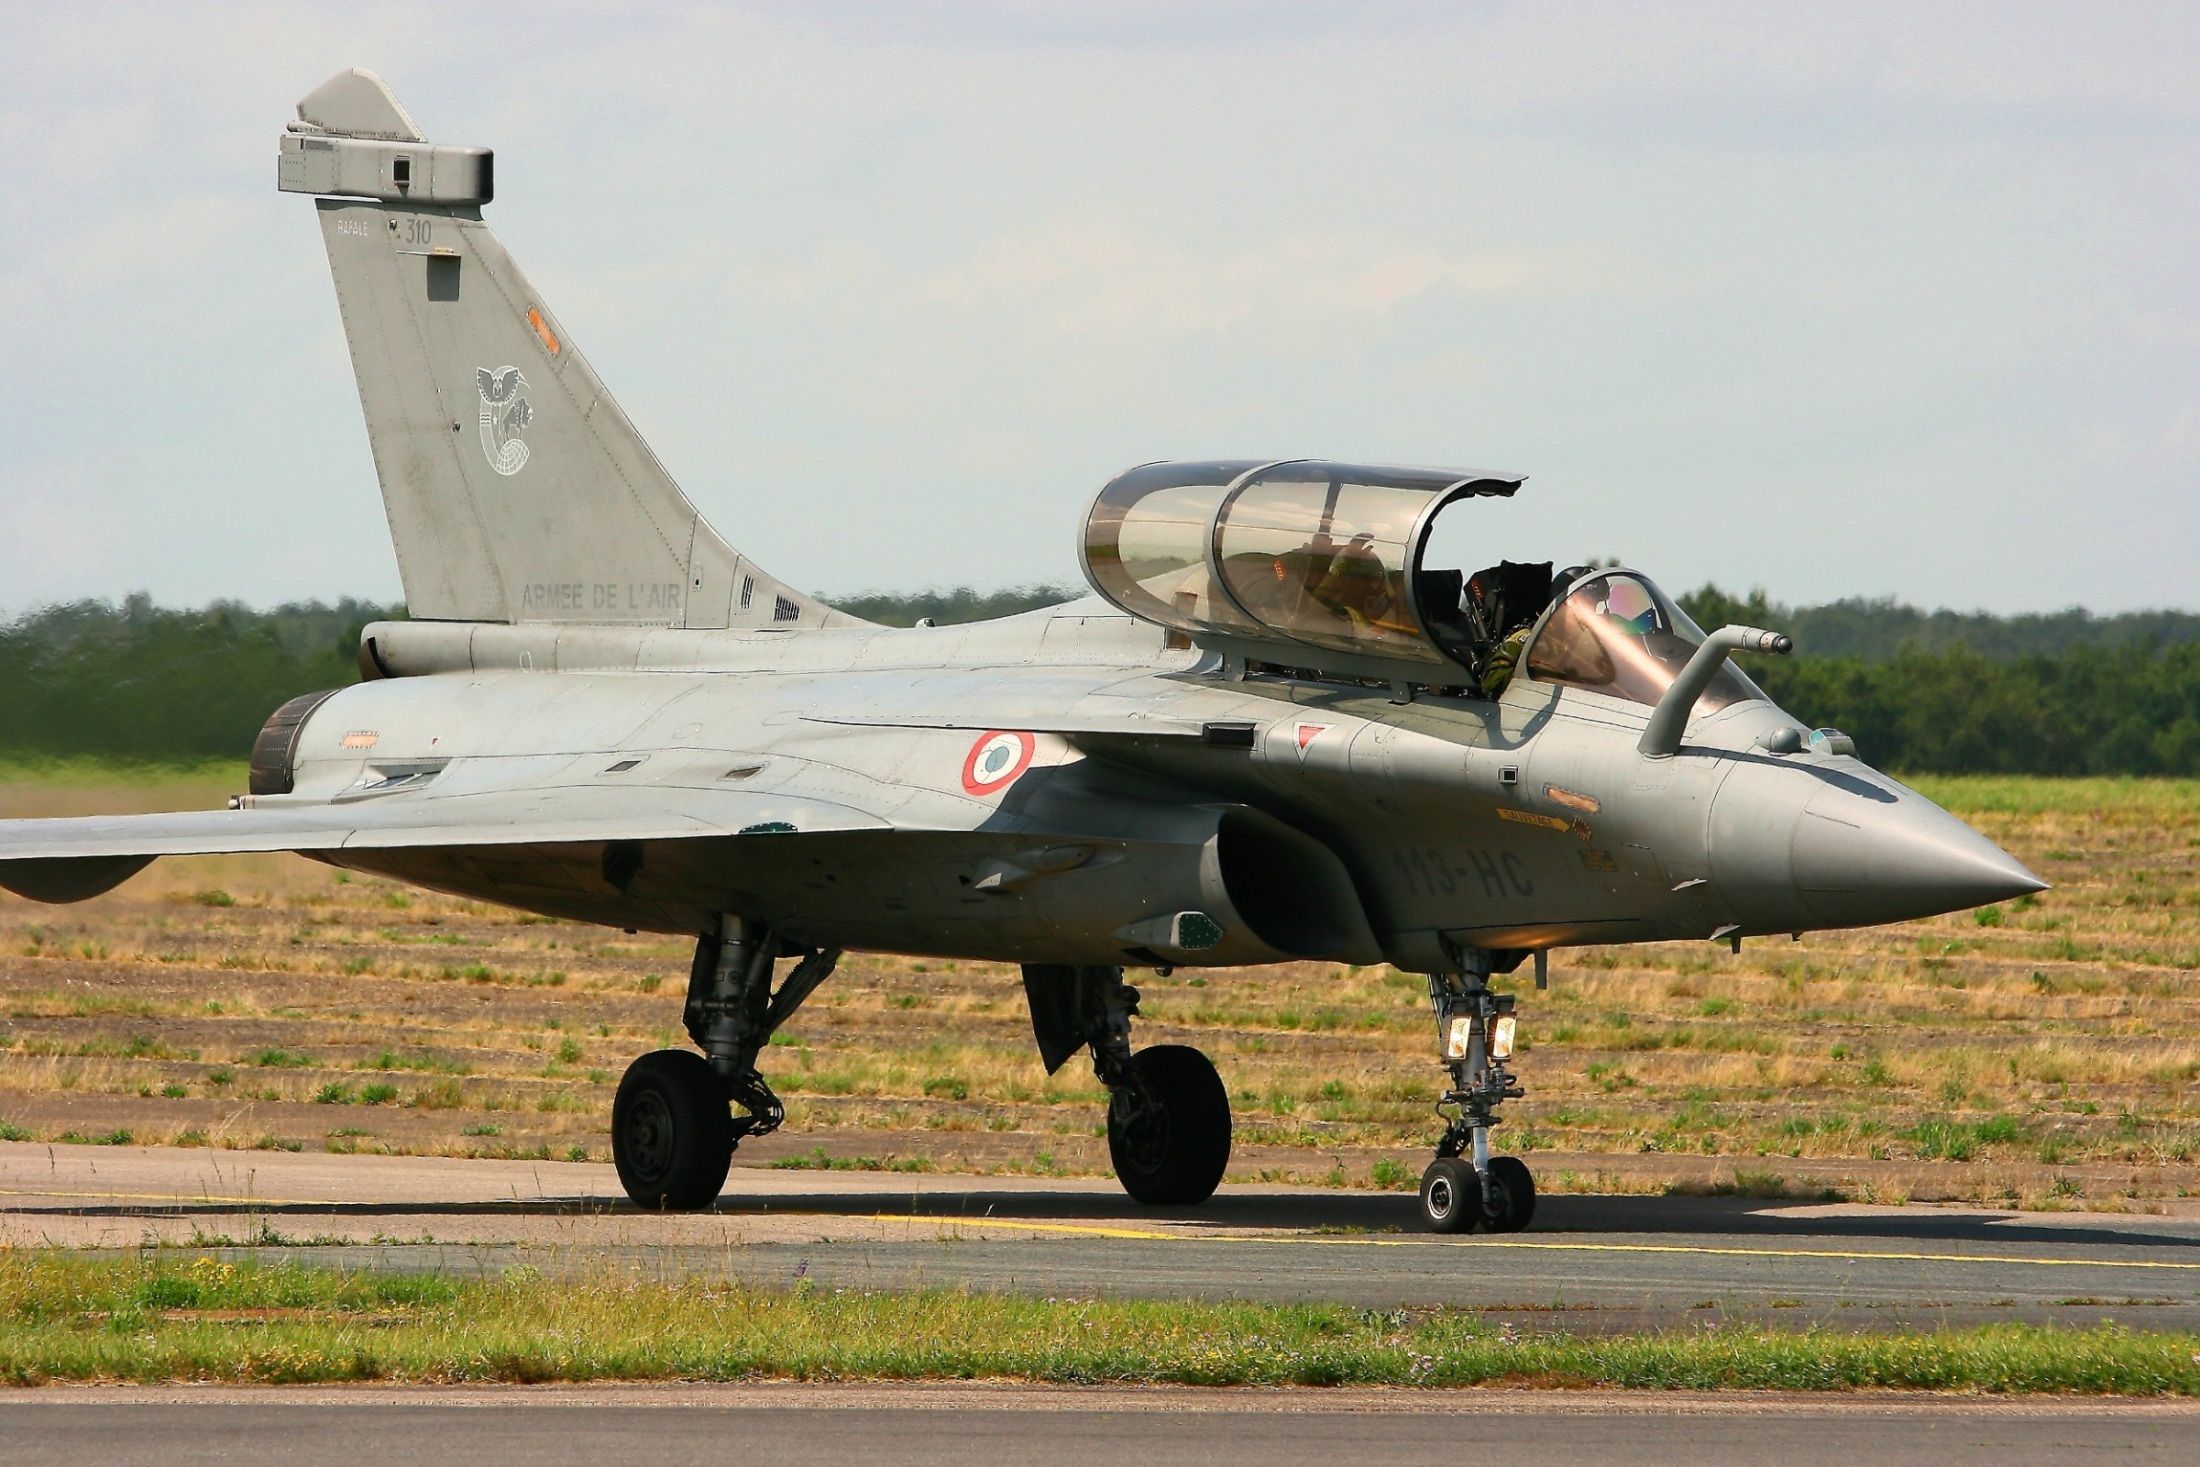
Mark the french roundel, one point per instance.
(994, 760)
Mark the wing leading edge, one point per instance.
(64, 860)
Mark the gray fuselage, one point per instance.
(1308, 818)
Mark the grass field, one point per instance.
(2039, 1053)
(206, 1320)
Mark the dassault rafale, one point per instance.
(1273, 733)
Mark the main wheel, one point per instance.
(1451, 1196)
(1514, 1187)
(1169, 1128)
(672, 1131)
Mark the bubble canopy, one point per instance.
(1616, 633)
(1302, 561)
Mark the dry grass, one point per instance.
(2042, 1053)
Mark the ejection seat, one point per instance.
(1440, 594)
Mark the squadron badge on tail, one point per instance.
(505, 414)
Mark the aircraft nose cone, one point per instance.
(1864, 853)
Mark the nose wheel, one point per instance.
(1466, 1189)
(1456, 1200)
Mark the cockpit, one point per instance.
(1614, 632)
(1301, 563)
(1308, 565)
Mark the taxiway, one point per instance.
(1591, 1262)
(770, 1424)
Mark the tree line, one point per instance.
(1931, 692)
(1968, 693)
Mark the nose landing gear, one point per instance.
(1466, 1188)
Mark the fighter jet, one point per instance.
(1274, 733)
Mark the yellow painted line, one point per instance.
(1523, 1244)
(1152, 1235)
(1081, 1230)
(177, 1199)
(1857, 1256)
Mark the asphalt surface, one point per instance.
(1590, 1264)
(763, 1426)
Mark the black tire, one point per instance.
(1451, 1196)
(1169, 1129)
(1515, 1189)
(672, 1131)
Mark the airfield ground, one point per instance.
(113, 1267)
(261, 1122)
(1593, 1266)
(801, 1423)
(2040, 1054)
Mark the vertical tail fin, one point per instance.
(517, 490)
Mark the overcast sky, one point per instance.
(1835, 300)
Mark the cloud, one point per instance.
(1854, 284)
(1080, 277)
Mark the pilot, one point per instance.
(1497, 668)
(1277, 593)
(1357, 584)
(1504, 658)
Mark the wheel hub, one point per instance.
(649, 1139)
(1142, 1123)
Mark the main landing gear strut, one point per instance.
(673, 1132)
(1168, 1115)
(1465, 1187)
